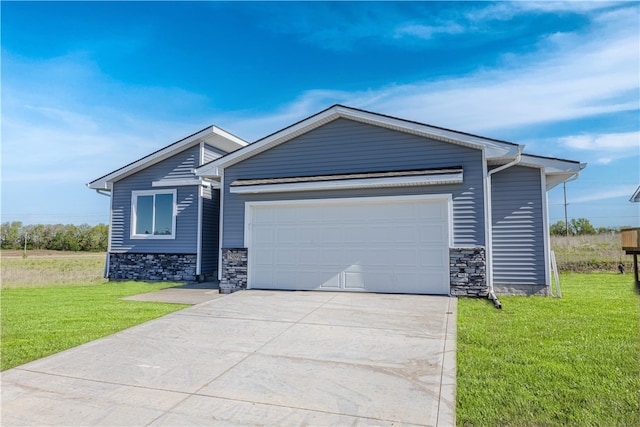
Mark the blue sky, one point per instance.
(88, 87)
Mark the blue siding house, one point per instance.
(163, 221)
(344, 200)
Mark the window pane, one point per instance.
(164, 214)
(144, 215)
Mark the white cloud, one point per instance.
(427, 31)
(575, 76)
(60, 115)
(628, 142)
(624, 191)
(605, 148)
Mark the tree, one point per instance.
(558, 229)
(11, 235)
(581, 226)
(54, 236)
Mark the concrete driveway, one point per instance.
(255, 358)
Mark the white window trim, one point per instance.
(134, 202)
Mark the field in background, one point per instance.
(599, 252)
(50, 268)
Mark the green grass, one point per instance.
(39, 321)
(552, 362)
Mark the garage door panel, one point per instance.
(433, 235)
(286, 257)
(263, 256)
(331, 282)
(433, 211)
(307, 235)
(287, 235)
(380, 246)
(264, 235)
(432, 257)
(354, 280)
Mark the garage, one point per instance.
(397, 244)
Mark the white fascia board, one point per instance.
(349, 184)
(556, 171)
(223, 140)
(209, 170)
(636, 196)
(493, 148)
(552, 166)
(100, 185)
(212, 135)
(184, 182)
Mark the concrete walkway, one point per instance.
(255, 358)
(192, 293)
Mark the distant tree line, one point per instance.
(579, 227)
(59, 237)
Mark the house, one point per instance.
(164, 219)
(350, 200)
(635, 198)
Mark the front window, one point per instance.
(153, 214)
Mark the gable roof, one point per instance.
(636, 196)
(556, 170)
(211, 135)
(494, 149)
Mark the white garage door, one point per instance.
(386, 244)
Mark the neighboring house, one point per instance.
(636, 196)
(349, 200)
(164, 219)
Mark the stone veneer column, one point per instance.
(234, 270)
(468, 272)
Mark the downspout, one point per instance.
(220, 173)
(492, 296)
(199, 237)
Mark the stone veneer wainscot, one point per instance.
(152, 267)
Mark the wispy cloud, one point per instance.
(427, 31)
(58, 133)
(624, 191)
(343, 25)
(570, 77)
(605, 148)
(629, 142)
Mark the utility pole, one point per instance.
(566, 217)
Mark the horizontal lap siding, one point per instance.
(211, 153)
(345, 146)
(210, 230)
(518, 231)
(176, 167)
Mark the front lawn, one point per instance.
(39, 321)
(552, 362)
